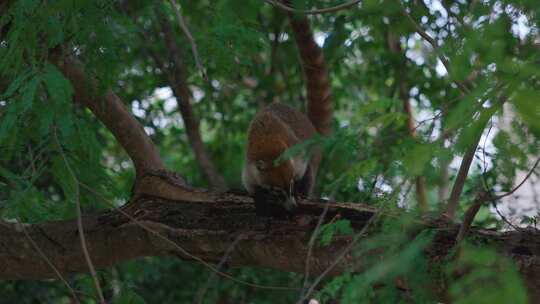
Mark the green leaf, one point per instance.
(55, 34)
(16, 84)
(527, 103)
(8, 122)
(471, 133)
(417, 157)
(58, 87)
(29, 93)
(328, 231)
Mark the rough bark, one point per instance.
(111, 111)
(205, 223)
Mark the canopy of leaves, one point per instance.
(378, 62)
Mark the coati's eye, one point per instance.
(261, 165)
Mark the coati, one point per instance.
(278, 127)
(274, 129)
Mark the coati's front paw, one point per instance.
(273, 201)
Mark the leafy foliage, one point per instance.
(50, 146)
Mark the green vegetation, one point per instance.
(483, 105)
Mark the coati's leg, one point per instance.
(304, 186)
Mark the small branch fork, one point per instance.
(468, 157)
(483, 197)
(498, 197)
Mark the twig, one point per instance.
(463, 88)
(313, 11)
(347, 249)
(48, 261)
(179, 248)
(311, 244)
(185, 29)
(422, 122)
(79, 221)
(341, 255)
(504, 217)
(202, 290)
(498, 197)
(484, 151)
(407, 192)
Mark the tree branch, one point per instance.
(403, 92)
(214, 222)
(531, 171)
(112, 112)
(453, 200)
(176, 76)
(189, 37)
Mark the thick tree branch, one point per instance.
(206, 233)
(205, 224)
(112, 112)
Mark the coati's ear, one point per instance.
(261, 165)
